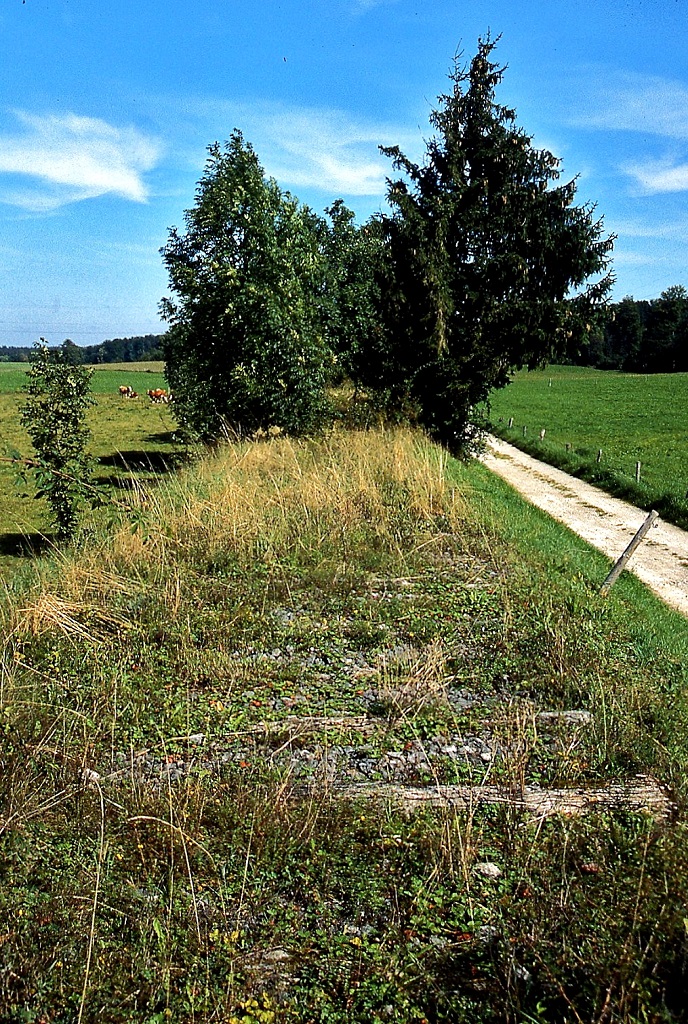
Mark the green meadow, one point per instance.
(130, 439)
(629, 418)
(106, 377)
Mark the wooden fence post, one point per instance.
(637, 472)
(599, 454)
(542, 434)
(524, 431)
(621, 563)
(511, 421)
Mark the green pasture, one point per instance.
(130, 439)
(107, 378)
(630, 418)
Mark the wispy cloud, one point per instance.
(326, 150)
(674, 229)
(312, 147)
(629, 258)
(657, 176)
(367, 5)
(627, 101)
(67, 158)
(638, 105)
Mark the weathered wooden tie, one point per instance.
(640, 794)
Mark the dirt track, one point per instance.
(607, 523)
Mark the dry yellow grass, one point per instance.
(252, 498)
(257, 497)
(268, 500)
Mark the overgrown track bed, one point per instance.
(309, 745)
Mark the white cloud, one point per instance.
(629, 258)
(367, 5)
(312, 147)
(626, 101)
(662, 229)
(324, 150)
(69, 158)
(659, 176)
(639, 104)
(348, 176)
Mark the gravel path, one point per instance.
(607, 523)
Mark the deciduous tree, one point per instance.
(351, 301)
(246, 347)
(54, 415)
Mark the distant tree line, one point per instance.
(484, 264)
(146, 347)
(640, 336)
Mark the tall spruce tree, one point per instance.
(624, 336)
(488, 262)
(246, 347)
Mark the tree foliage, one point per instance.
(54, 415)
(639, 335)
(351, 303)
(664, 344)
(484, 264)
(116, 350)
(246, 348)
(484, 248)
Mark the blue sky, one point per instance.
(107, 106)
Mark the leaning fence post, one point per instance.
(621, 563)
(511, 421)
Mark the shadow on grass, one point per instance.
(142, 461)
(166, 437)
(122, 483)
(26, 545)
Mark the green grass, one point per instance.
(106, 377)
(130, 440)
(630, 418)
(12, 377)
(358, 585)
(139, 376)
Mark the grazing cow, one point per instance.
(125, 391)
(158, 395)
(133, 394)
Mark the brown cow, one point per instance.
(125, 391)
(157, 395)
